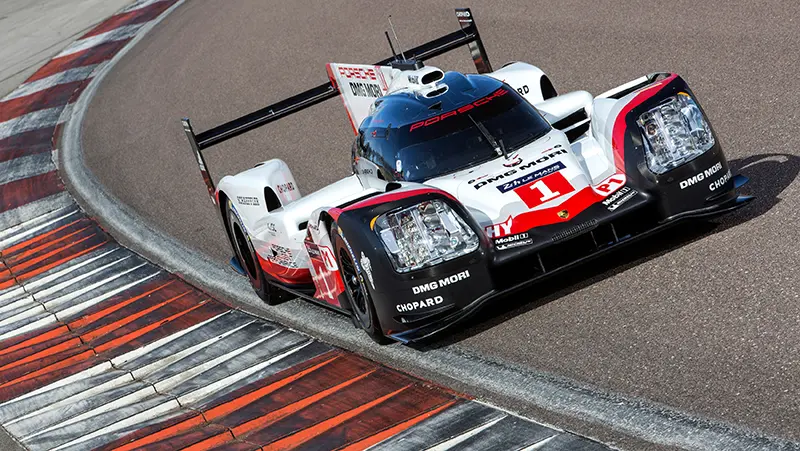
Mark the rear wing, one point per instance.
(467, 35)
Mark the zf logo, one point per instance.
(464, 16)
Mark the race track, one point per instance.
(703, 318)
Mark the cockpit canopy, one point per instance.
(415, 137)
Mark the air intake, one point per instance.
(432, 77)
(436, 92)
(576, 230)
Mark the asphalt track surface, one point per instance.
(704, 318)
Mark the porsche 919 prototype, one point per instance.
(465, 186)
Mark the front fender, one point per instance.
(699, 183)
(405, 301)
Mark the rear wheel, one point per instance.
(248, 260)
(356, 290)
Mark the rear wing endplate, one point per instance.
(467, 35)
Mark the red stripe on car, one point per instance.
(620, 125)
(393, 196)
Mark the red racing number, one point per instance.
(544, 189)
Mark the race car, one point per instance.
(466, 186)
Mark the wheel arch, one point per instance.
(222, 207)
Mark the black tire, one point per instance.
(363, 309)
(246, 255)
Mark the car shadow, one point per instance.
(769, 174)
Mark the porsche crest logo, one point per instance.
(563, 214)
(512, 161)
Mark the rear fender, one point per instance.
(259, 191)
(567, 112)
(530, 81)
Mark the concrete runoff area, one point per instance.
(701, 318)
(34, 31)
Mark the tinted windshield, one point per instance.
(451, 141)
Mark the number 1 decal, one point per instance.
(544, 189)
(546, 193)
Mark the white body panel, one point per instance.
(278, 234)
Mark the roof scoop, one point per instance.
(435, 92)
(423, 78)
(423, 81)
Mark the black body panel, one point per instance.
(405, 301)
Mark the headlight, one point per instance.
(424, 235)
(676, 132)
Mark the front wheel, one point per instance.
(248, 260)
(356, 289)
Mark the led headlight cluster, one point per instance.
(676, 132)
(424, 235)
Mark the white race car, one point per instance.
(466, 186)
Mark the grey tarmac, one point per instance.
(703, 318)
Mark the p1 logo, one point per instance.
(610, 185)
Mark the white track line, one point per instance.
(140, 4)
(67, 76)
(203, 392)
(130, 356)
(75, 309)
(539, 445)
(68, 267)
(163, 386)
(17, 233)
(122, 380)
(150, 368)
(147, 391)
(85, 374)
(12, 218)
(34, 310)
(31, 121)
(73, 280)
(116, 34)
(12, 293)
(453, 442)
(83, 289)
(142, 417)
(24, 167)
(46, 321)
(17, 303)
